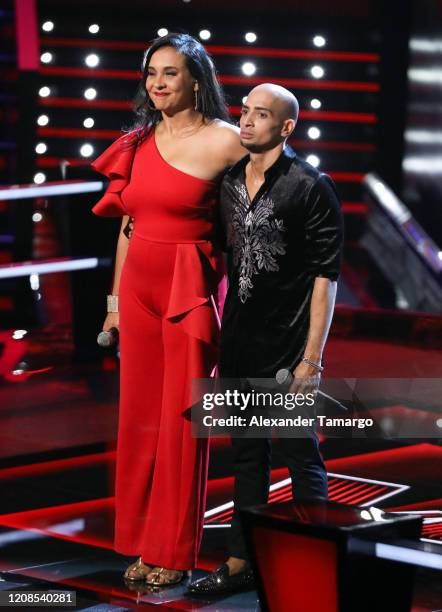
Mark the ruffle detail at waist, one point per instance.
(198, 271)
(115, 163)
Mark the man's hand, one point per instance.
(306, 379)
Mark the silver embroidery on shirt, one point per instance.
(256, 239)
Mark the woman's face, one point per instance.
(169, 83)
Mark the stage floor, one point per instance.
(58, 422)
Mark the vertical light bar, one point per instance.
(26, 29)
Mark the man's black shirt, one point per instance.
(277, 244)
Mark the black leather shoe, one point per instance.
(220, 583)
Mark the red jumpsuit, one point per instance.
(168, 336)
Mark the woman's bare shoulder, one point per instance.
(225, 137)
(224, 129)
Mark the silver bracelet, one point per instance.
(318, 366)
(112, 303)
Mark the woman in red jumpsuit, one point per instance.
(164, 174)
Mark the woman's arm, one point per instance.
(113, 318)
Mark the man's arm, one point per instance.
(324, 234)
(321, 313)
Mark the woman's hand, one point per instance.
(112, 320)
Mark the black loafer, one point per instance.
(220, 583)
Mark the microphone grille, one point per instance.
(104, 339)
(283, 376)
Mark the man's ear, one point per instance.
(288, 127)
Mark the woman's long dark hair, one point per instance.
(211, 102)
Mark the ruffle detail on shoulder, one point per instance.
(115, 163)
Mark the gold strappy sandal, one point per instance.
(137, 571)
(166, 580)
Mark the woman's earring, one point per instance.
(196, 100)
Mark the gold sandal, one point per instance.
(137, 571)
(159, 571)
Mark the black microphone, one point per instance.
(108, 338)
(285, 377)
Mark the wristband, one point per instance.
(112, 303)
(318, 366)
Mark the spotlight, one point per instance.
(92, 60)
(205, 34)
(44, 92)
(39, 178)
(317, 72)
(88, 122)
(34, 279)
(19, 334)
(37, 217)
(94, 28)
(315, 103)
(250, 37)
(43, 120)
(86, 150)
(90, 93)
(319, 41)
(313, 160)
(46, 58)
(41, 148)
(48, 26)
(314, 133)
(248, 68)
(163, 32)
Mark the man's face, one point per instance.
(262, 121)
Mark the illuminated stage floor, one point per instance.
(57, 458)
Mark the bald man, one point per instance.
(283, 229)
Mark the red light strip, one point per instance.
(46, 467)
(356, 208)
(339, 116)
(357, 497)
(224, 78)
(301, 83)
(433, 528)
(94, 73)
(219, 516)
(285, 495)
(54, 162)
(334, 145)
(78, 133)
(338, 177)
(342, 488)
(326, 115)
(83, 103)
(346, 56)
(111, 134)
(61, 511)
(355, 493)
(47, 41)
(367, 496)
(347, 177)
